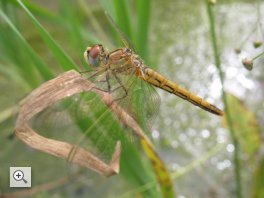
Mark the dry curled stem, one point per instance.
(66, 85)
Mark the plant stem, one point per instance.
(259, 55)
(227, 113)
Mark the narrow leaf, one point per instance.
(65, 61)
(39, 64)
(143, 10)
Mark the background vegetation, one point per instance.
(195, 43)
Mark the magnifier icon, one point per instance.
(19, 175)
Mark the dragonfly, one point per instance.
(124, 64)
(125, 67)
(124, 61)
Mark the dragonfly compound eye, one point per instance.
(92, 55)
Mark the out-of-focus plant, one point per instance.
(78, 23)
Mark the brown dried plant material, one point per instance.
(66, 85)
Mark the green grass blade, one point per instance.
(108, 6)
(100, 32)
(44, 13)
(138, 173)
(7, 113)
(122, 17)
(39, 64)
(71, 18)
(39, 11)
(65, 61)
(11, 72)
(143, 10)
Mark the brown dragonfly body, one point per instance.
(125, 61)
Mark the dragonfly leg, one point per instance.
(106, 80)
(86, 71)
(95, 73)
(99, 89)
(121, 86)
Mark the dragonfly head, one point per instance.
(95, 55)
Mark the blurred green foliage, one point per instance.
(21, 61)
(41, 39)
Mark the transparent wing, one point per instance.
(142, 102)
(136, 96)
(139, 89)
(99, 128)
(152, 105)
(83, 120)
(121, 34)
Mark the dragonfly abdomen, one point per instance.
(160, 81)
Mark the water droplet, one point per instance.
(230, 148)
(155, 134)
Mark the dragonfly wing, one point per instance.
(152, 105)
(121, 34)
(85, 121)
(136, 96)
(55, 117)
(142, 101)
